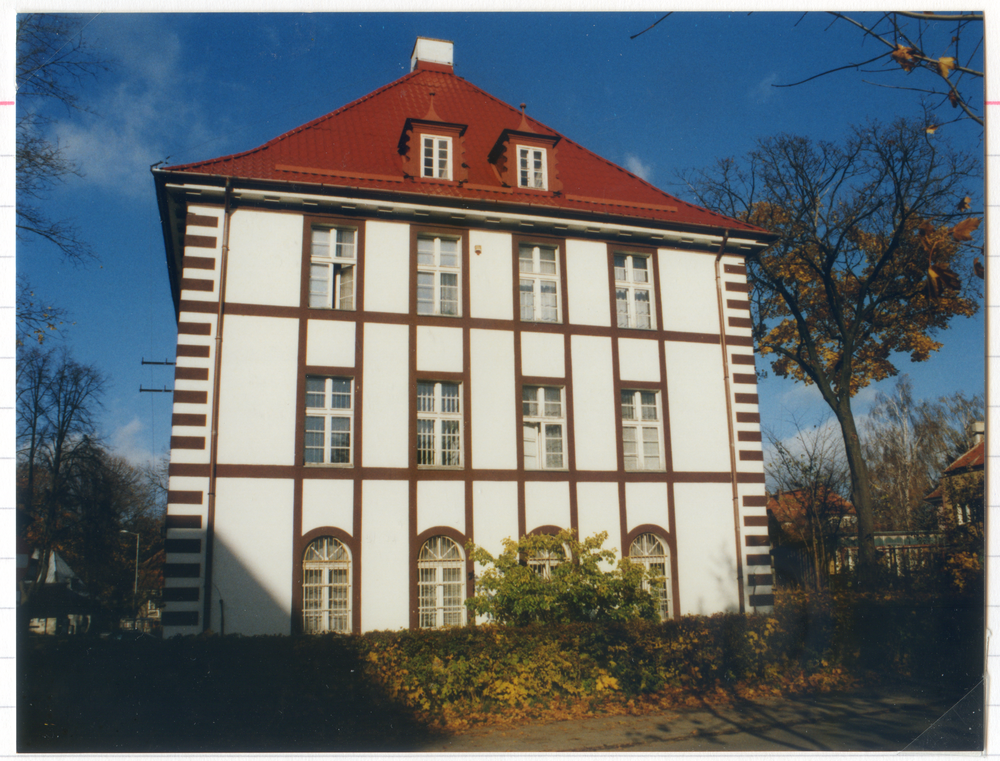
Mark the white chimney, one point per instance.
(432, 54)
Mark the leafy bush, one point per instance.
(558, 579)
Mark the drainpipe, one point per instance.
(214, 444)
(729, 415)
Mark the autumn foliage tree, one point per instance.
(874, 258)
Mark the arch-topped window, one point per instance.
(651, 552)
(544, 561)
(440, 568)
(326, 586)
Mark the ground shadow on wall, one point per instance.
(205, 694)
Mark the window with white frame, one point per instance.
(329, 420)
(531, 169)
(435, 157)
(326, 587)
(439, 271)
(440, 570)
(634, 291)
(649, 551)
(332, 268)
(642, 431)
(543, 408)
(539, 277)
(543, 562)
(439, 424)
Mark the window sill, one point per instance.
(329, 464)
(440, 467)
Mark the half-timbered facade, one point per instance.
(425, 319)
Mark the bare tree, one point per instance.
(908, 443)
(808, 475)
(873, 258)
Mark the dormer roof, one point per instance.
(360, 146)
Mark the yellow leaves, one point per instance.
(904, 56)
(931, 129)
(964, 229)
(939, 279)
(945, 65)
(964, 204)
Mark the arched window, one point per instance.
(543, 561)
(649, 551)
(440, 568)
(326, 587)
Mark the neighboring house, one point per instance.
(427, 319)
(60, 604)
(959, 495)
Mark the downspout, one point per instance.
(729, 416)
(214, 444)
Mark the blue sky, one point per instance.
(696, 88)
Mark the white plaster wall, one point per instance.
(638, 359)
(546, 503)
(706, 548)
(328, 502)
(490, 275)
(543, 355)
(385, 555)
(386, 399)
(688, 297)
(330, 343)
(597, 510)
(252, 558)
(494, 513)
(699, 431)
(440, 503)
(387, 267)
(439, 349)
(264, 265)
(587, 282)
(646, 503)
(493, 403)
(257, 390)
(593, 404)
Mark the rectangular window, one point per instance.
(544, 411)
(435, 157)
(642, 431)
(439, 273)
(539, 277)
(333, 261)
(634, 291)
(329, 420)
(439, 424)
(531, 168)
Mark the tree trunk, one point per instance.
(860, 496)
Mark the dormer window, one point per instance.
(532, 168)
(435, 154)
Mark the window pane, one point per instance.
(620, 268)
(425, 397)
(341, 396)
(628, 405)
(642, 311)
(449, 397)
(553, 402)
(547, 261)
(529, 401)
(553, 446)
(550, 306)
(425, 293)
(621, 306)
(345, 296)
(449, 253)
(425, 442)
(449, 294)
(526, 259)
(451, 443)
(648, 400)
(345, 244)
(425, 251)
(527, 299)
(629, 448)
(315, 392)
(639, 271)
(320, 242)
(531, 446)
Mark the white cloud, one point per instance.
(764, 91)
(131, 441)
(635, 166)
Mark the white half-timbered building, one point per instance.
(424, 319)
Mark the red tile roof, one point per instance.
(790, 506)
(357, 146)
(974, 458)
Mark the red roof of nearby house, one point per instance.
(790, 505)
(974, 459)
(357, 146)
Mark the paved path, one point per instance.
(892, 721)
